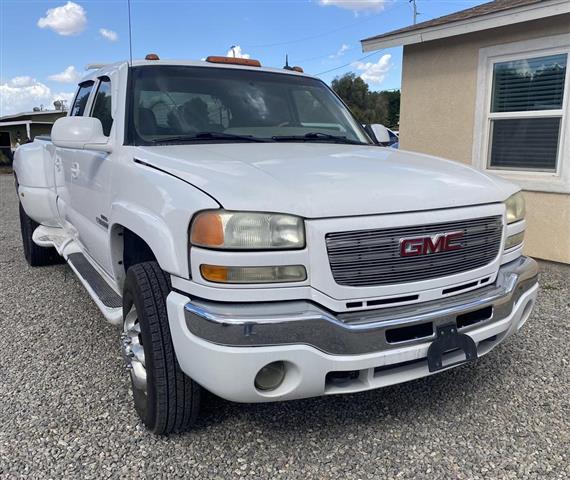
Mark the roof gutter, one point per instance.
(484, 22)
(27, 123)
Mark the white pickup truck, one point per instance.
(250, 239)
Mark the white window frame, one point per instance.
(542, 181)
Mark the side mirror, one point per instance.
(380, 133)
(80, 132)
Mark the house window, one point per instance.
(522, 120)
(526, 113)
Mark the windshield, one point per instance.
(177, 104)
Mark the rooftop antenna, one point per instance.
(286, 66)
(130, 34)
(233, 49)
(416, 13)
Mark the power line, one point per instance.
(318, 35)
(331, 55)
(349, 63)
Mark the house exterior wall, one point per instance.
(437, 115)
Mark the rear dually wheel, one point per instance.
(35, 255)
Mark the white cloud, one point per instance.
(23, 81)
(109, 34)
(21, 94)
(374, 72)
(355, 5)
(69, 19)
(238, 53)
(341, 51)
(69, 75)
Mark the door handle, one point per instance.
(58, 164)
(74, 170)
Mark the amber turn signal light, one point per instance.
(207, 230)
(214, 273)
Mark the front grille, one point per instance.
(367, 258)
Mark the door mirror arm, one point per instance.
(104, 145)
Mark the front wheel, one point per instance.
(165, 398)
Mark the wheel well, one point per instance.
(135, 250)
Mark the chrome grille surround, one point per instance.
(366, 258)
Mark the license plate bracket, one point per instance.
(447, 339)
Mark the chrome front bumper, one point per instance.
(302, 322)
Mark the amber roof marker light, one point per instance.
(151, 56)
(290, 68)
(248, 62)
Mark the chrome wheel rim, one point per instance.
(133, 351)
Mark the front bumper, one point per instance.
(223, 346)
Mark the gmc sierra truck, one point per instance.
(251, 239)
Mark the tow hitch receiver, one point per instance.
(448, 339)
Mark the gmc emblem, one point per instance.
(442, 242)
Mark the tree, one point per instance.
(368, 107)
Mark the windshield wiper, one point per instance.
(317, 136)
(196, 137)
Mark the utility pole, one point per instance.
(416, 13)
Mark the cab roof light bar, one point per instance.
(248, 62)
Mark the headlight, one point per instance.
(515, 208)
(220, 229)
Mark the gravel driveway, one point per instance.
(65, 406)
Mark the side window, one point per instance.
(102, 105)
(81, 99)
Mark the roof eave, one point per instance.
(484, 22)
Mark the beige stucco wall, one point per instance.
(439, 82)
(548, 232)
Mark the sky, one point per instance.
(45, 45)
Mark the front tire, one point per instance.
(165, 398)
(35, 255)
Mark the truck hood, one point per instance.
(316, 180)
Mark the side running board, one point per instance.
(107, 299)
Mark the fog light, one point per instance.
(514, 240)
(273, 274)
(270, 376)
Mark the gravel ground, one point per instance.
(65, 406)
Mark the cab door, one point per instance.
(90, 183)
(64, 160)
